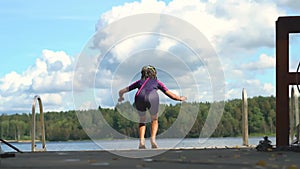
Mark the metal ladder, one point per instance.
(10, 145)
(33, 125)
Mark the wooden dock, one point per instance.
(175, 158)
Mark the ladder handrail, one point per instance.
(33, 128)
(10, 145)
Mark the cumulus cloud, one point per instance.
(264, 62)
(236, 30)
(232, 27)
(253, 87)
(251, 22)
(50, 77)
(128, 9)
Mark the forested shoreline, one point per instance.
(63, 126)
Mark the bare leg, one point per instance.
(154, 128)
(142, 130)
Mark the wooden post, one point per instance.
(296, 108)
(284, 78)
(1, 152)
(292, 115)
(297, 117)
(245, 118)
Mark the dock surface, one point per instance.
(171, 159)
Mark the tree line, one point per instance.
(80, 125)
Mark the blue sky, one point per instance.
(28, 27)
(40, 41)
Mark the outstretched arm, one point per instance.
(174, 96)
(121, 93)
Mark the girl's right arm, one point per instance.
(121, 93)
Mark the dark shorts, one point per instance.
(147, 101)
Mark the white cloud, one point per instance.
(252, 25)
(49, 77)
(264, 62)
(52, 98)
(54, 82)
(232, 27)
(165, 44)
(56, 61)
(253, 87)
(118, 12)
(269, 88)
(237, 30)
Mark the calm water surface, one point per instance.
(133, 144)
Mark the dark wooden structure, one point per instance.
(284, 78)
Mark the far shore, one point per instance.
(21, 141)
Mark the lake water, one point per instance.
(133, 144)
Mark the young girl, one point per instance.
(147, 98)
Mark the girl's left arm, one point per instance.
(170, 94)
(174, 96)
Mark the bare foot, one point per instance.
(153, 143)
(142, 144)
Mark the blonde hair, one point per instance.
(148, 72)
